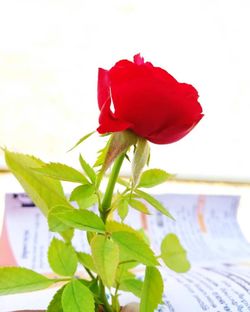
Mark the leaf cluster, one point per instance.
(116, 248)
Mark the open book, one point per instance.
(206, 225)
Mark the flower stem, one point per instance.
(104, 298)
(104, 211)
(107, 199)
(89, 273)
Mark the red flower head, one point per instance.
(147, 100)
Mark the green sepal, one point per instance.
(85, 137)
(119, 143)
(102, 154)
(140, 159)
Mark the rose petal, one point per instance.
(173, 134)
(108, 122)
(138, 59)
(103, 87)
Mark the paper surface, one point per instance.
(205, 224)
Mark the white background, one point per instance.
(50, 51)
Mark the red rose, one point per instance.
(147, 100)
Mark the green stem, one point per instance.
(104, 298)
(89, 273)
(104, 209)
(107, 199)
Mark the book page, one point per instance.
(206, 225)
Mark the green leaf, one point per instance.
(86, 260)
(84, 195)
(153, 177)
(90, 236)
(93, 287)
(128, 265)
(140, 159)
(152, 290)
(106, 258)
(154, 202)
(55, 224)
(87, 202)
(173, 254)
(79, 219)
(122, 208)
(62, 172)
(67, 235)
(134, 247)
(85, 137)
(44, 192)
(123, 182)
(144, 236)
(122, 273)
(90, 172)
(62, 258)
(114, 226)
(77, 298)
(55, 304)
(132, 285)
(15, 280)
(82, 191)
(138, 205)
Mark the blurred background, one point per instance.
(51, 49)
